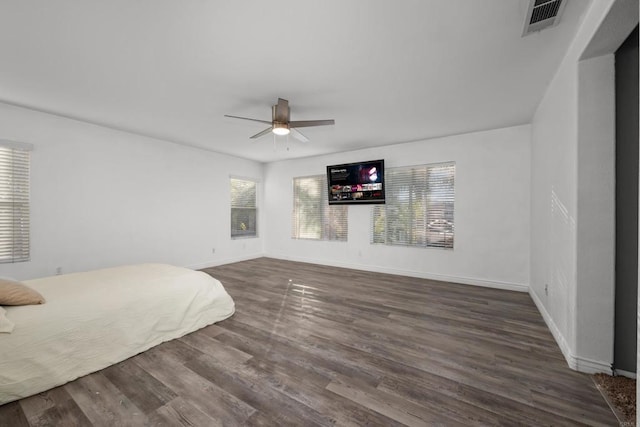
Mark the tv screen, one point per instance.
(356, 183)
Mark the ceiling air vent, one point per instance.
(542, 14)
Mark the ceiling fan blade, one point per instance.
(247, 118)
(309, 123)
(263, 133)
(298, 135)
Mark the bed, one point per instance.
(94, 319)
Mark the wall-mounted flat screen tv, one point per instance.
(356, 183)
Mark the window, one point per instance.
(244, 210)
(313, 218)
(14, 202)
(418, 209)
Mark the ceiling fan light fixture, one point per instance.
(280, 129)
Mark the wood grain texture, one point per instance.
(316, 346)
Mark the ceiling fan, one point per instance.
(281, 125)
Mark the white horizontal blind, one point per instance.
(419, 207)
(313, 217)
(244, 211)
(14, 203)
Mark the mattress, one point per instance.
(94, 319)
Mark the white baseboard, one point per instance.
(577, 363)
(589, 366)
(223, 261)
(627, 374)
(419, 274)
(562, 343)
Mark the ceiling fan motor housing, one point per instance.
(280, 111)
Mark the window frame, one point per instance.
(418, 228)
(15, 202)
(250, 234)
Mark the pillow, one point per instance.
(16, 293)
(6, 325)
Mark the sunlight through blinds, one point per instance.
(14, 202)
(313, 217)
(419, 207)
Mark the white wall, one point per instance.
(491, 211)
(595, 260)
(101, 197)
(571, 195)
(553, 207)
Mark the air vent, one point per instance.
(542, 14)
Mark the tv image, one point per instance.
(356, 183)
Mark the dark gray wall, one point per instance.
(626, 281)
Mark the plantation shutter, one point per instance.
(419, 207)
(313, 217)
(14, 202)
(243, 208)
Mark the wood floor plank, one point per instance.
(213, 347)
(103, 403)
(560, 405)
(315, 395)
(11, 415)
(66, 413)
(207, 396)
(398, 409)
(35, 405)
(146, 392)
(179, 412)
(175, 349)
(212, 330)
(482, 407)
(316, 345)
(294, 349)
(243, 383)
(286, 354)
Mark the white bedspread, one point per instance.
(95, 319)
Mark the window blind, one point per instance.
(14, 202)
(313, 218)
(419, 207)
(244, 209)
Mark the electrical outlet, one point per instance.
(213, 250)
(58, 271)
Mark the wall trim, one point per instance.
(410, 273)
(562, 343)
(580, 364)
(589, 366)
(626, 374)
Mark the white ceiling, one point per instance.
(386, 71)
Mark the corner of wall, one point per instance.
(580, 364)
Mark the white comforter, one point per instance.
(95, 319)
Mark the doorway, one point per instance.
(626, 248)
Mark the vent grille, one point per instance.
(543, 14)
(544, 10)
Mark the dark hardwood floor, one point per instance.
(314, 345)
